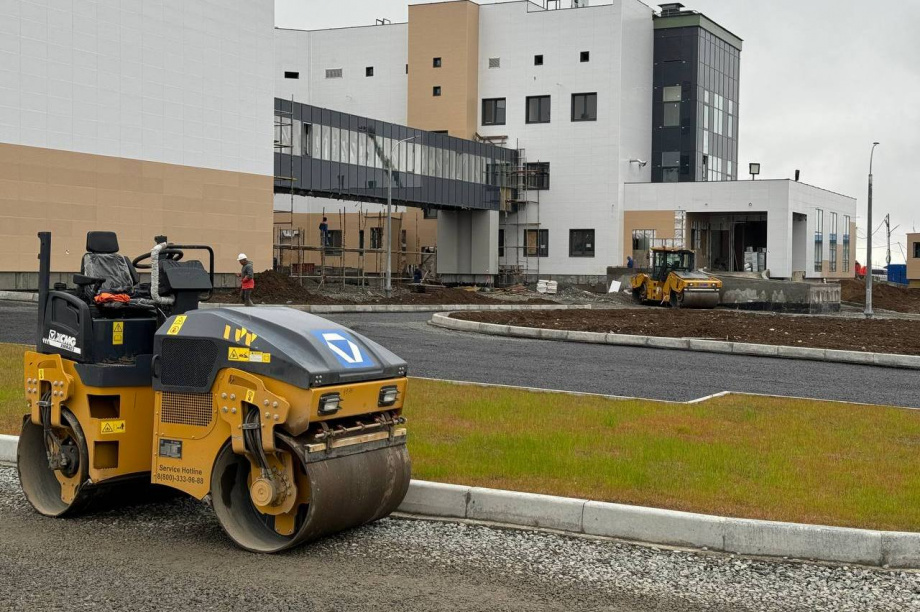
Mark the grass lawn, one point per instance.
(754, 457)
(12, 398)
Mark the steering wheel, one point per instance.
(167, 253)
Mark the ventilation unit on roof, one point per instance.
(673, 8)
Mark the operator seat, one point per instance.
(102, 261)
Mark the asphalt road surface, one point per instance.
(613, 370)
(172, 555)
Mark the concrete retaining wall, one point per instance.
(647, 525)
(909, 362)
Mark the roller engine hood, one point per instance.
(276, 342)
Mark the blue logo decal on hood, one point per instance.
(344, 348)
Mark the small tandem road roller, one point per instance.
(292, 424)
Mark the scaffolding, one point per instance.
(520, 221)
(334, 257)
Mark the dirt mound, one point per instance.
(448, 295)
(275, 288)
(884, 296)
(876, 335)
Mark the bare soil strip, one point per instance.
(875, 336)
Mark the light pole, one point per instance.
(869, 240)
(388, 289)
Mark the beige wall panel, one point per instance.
(913, 263)
(662, 221)
(449, 30)
(72, 193)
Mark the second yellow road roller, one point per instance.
(290, 423)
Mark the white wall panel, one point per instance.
(382, 96)
(178, 81)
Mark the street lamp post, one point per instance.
(388, 289)
(869, 240)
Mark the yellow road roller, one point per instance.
(674, 280)
(290, 424)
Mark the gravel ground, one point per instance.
(172, 556)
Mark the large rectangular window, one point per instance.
(493, 111)
(537, 175)
(584, 107)
(376, 238)
(581, 243)
(846, 243)
(670, 166)
(833, 245)
(917, 250)
(501, 243)
(671, 99)
(538, 109)
(819, 240)
(536, 243)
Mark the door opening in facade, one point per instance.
(729, 242)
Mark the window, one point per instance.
(671, 97)
(495, 62)
(407, 68)
(376, 237)
(819, 240)
(670, 167)
(536, 243)
(333, 73)
(537, 175)
(493, 111)
(436, 90)
(642, 239)
(369, 71)
(361, 241)
(917, 250)
(537, 60)
(333, 241)
(581, 243)
(436, 62)
(846, 243)
(501, 243)
(538, 109)
(585, 56)
(584, 107)
(833, 241)
(430, 213)
(291, 75)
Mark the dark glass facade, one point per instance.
(695, 102)
(326, 153)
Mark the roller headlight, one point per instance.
(329, 404)
(387, 396)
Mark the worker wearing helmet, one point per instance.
(247, 282)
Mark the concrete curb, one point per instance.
(8, 448)
(666, 527)
(887, 360)
(18, 296)
(648, 525)
(364, 308)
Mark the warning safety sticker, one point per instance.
(111, 427)
(239, 353)
(176, 326)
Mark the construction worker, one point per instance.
(247, 281)
(323, 232)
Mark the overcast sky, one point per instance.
(820, 81)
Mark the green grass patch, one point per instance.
(12, 397)
(755, 457)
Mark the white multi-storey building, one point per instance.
(596, 97)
